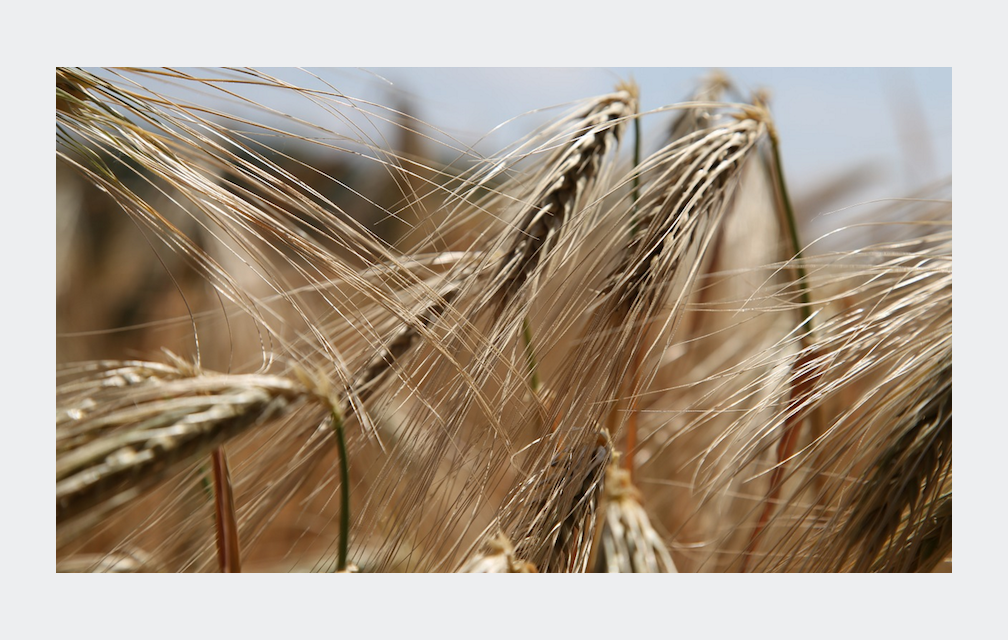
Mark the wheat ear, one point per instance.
(129, 426)
(560, 196)
(626, 541)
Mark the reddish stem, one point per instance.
(228, 556)
(799, 393)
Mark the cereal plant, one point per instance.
(611, 346)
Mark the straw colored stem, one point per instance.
(228, 547)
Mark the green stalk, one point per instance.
(635, 194)
(792, 225)
(803, 385)
(206, 483)
(344, 538)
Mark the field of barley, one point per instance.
(338, 337)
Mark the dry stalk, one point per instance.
(228, 547)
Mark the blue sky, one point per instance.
(894, 124)
(897, 121)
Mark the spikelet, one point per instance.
(498, 558)
(563, 195)
(626, 542)
(901, 506)
(712, 88)
(716, 367)
(683, 203)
